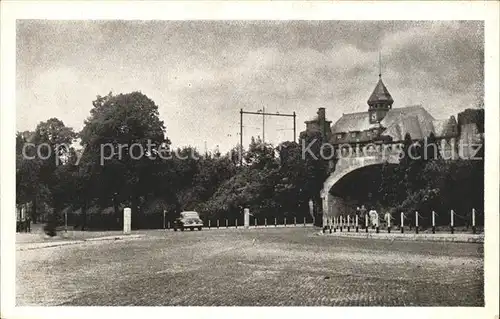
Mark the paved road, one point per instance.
(259, 267)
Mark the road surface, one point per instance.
(256, 267)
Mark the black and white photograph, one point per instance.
(252, 162)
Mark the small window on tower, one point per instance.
(353, 134)
(339, 136)
(368, 133)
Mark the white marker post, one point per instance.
(275, 222)
(366, 222)
(265, 222)
(246, 213)
(348, 223)
(402, 223)
(284, 221)
(473, 221)
(217, 224)
(65, 222)
(330, 224)
(209, 224)
(388, 222)
(433, 222)
(227, 223)
(164, 218)
(451, 221)
(416, 222)
(127, 216)
(236, 223)
(304, 222)
(341, 222)
(255, 222)
(357, 226)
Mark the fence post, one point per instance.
(168, 225)
(335, 224)
(366, 223)
(275, 222)
(284, 221)
(236, 223)
(209, 224)
(357, 226)
(416, 222)
(255, 222)
(433, 222)
(451, 221)
(227, 223)
(348, 223)
(402, 223)
(65, 222)
(265, 222)
(330, 224)
(217, 223)
(473, 221)
(341, 218)
(294, 221)
(377, 227)
(304, 222)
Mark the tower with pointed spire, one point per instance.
(380, 101)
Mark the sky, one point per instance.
(201, 73)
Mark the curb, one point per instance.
(32, 246)
(414, 237)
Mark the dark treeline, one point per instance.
(274, 181)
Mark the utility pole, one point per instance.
(263, 113)
(263, 124)
(241, 137)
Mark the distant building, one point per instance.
(382, 122)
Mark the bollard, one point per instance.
(348, 224)
(334, 224)
(255, 220)
(284, 221)
(416, 222)
(168, 225)
(402, 223)
(389, 223)
(377, 227)
(236, 223)
(209, 224)
(330, 224)
(217, 224)
(473, 221)
(295, 221)
(304, 222)
(164, 213)
(451, 221)
(433, 222)
(275, 222)
(66, 222)
(357, 226)
(265, 222)
(227, 223)
(341, 222)
(127, 218)
(366, 223)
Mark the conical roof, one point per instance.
(380, 94)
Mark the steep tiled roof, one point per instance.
(380, 94)
(353, 122)
(444, 128)
(414, 120)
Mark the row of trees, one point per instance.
(274, 181)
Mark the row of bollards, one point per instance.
(167, 225)
(340, 223)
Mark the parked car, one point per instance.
(189, 220)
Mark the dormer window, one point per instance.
(339, 136)
(353, 134)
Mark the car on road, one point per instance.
(189, 220)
